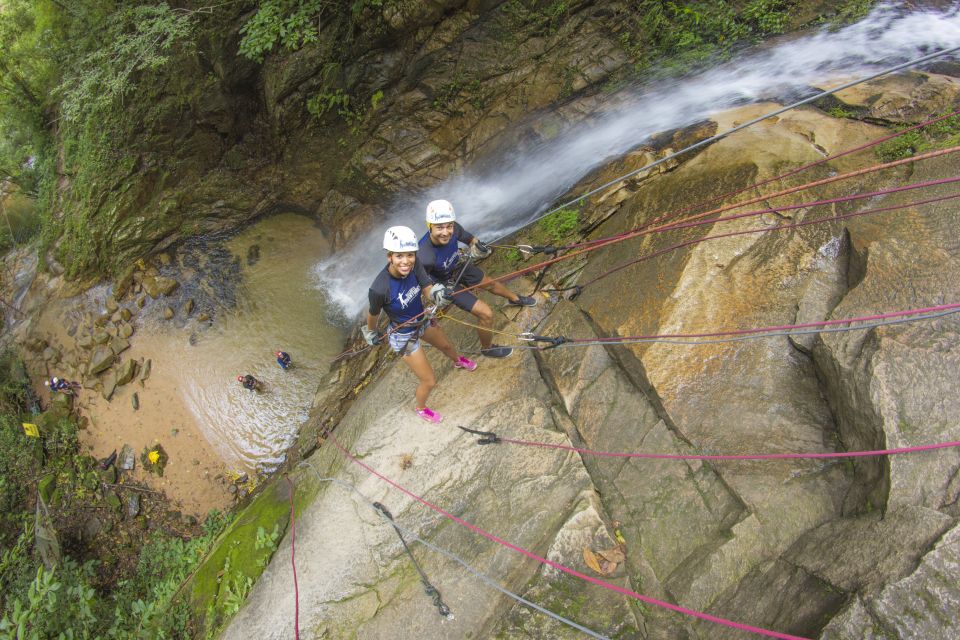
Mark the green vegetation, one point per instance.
(64, 70)
(560, 224)
(291, 24)
(941, 135)
(352, 111)
(90, 592)
(538, 16)
(453, 95)
(674, 35)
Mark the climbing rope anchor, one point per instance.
(428, 588)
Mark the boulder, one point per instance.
(100, 361)
(125, 330)
(145, 370)
(119, 345)
(109, 385)
(112, 305)
(166, 285)
(167, 313)
(125, 314)
(128, 458)
(126, 372)
(133, 504)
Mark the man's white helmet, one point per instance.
(439, 212)
(400, 240)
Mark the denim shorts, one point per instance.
(409, 340)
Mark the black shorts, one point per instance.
(472, 275)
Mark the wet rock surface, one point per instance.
(806, 547)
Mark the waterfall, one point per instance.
(496, 201)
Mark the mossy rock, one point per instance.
(46, 487)
(114, 502)
(236, 547)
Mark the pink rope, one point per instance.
(293, 563)
(781, 327)
(755, 456)
(565, 569)
(782, 176)
(781, 227)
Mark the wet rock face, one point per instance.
(808, 547)
(453, 76)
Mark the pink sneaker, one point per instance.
(465, 363)
(429, 414)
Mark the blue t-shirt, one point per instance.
(440, 262)
(399, 297)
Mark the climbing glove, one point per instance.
(479, 250)
(370, 335)
(440, 295)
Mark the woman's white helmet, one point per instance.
(439, 212)
(400, 240)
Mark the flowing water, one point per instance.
(496, 202)
(258, 292)
(275, 308)
(267, 288)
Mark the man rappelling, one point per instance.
(440, 257)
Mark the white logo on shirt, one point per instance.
(410, 294)
(450, 262)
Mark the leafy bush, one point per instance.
(291, 23)
(138, 39)
(560, 224)
(945, 133)
(675, 34)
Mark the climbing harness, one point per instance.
(428, 588)
(452, 556)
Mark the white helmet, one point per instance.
(400, 240)
(56, 380)
(439, 212)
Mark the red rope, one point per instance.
(293, 563)
(697, 220)
(781, 227)
(781, 327)
(754, 456)
(606, 585)
(782, 176)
